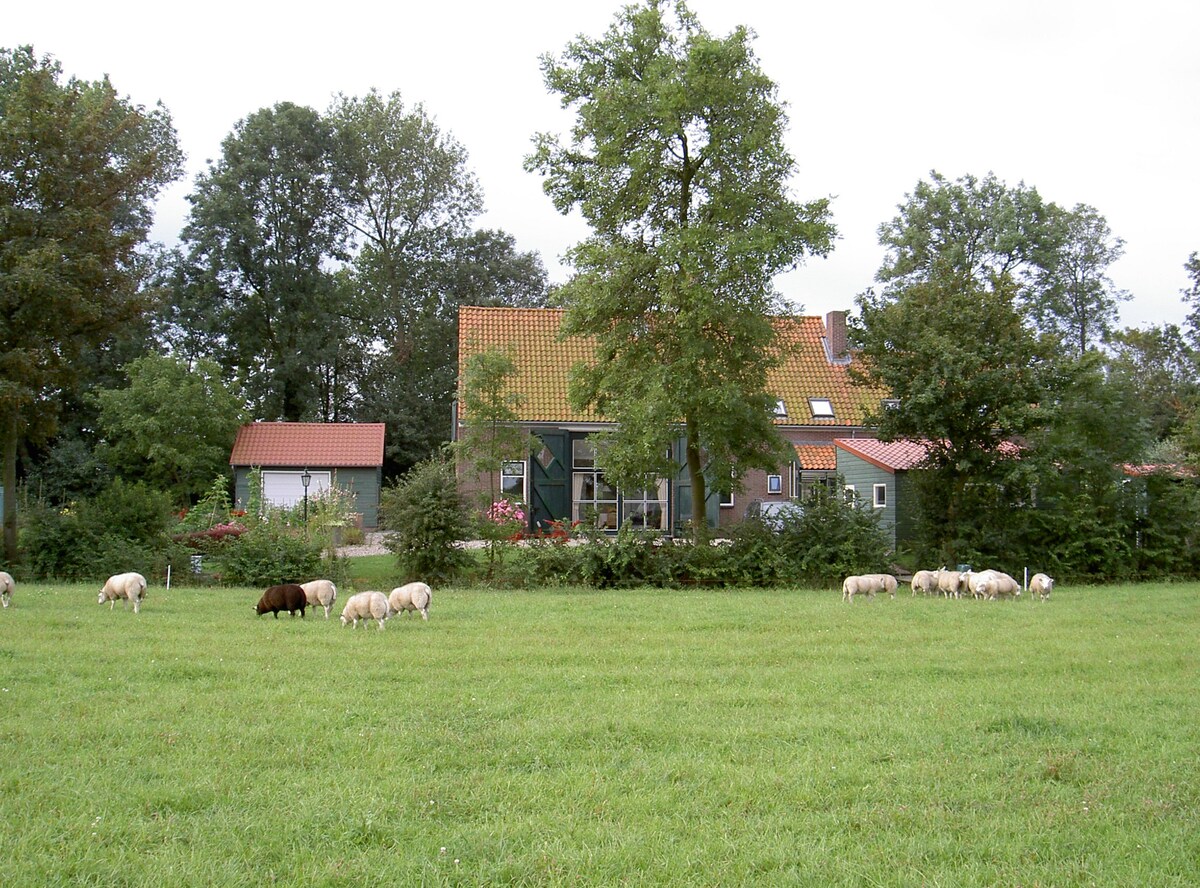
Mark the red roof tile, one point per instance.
(816, 456)
(312, 444)
(543, 362)
(891, 456)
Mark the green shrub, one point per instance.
(424, 517)
(269, 552)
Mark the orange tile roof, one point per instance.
(312, 444)
(543, 362)
(816, 456)
(891, 456)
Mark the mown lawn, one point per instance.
(598, 738)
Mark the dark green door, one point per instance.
(682, 505)
(550, 496)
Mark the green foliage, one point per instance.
(677, 162)
(123, 528)
(425, 519)
(173, 426)
(268, 553)
(213, 508)
(254, 292)
(969, 375)
(982, 230)
(829, 539)
(79, 170)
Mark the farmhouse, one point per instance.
(817, 404)
(346, 455)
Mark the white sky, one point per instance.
(1094, 102)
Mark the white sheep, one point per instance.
(868, 584)
(320, 592)
(366, 606)
(411, 597)
(6, 588)
(1040, 586)
(925, 582)
(992, 584)
(129, 586)
(950, 582)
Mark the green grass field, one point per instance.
(603, 738)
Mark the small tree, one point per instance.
(424, 518)
(491, 438)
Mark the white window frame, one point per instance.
(879, 496)
(508, 470)
(850, 494)
(821, 408)
(774, 485)
(646, 501)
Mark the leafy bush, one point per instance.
(828, 540)
(425, 519)
(122, 528)
(270, 552)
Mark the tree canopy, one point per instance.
(983, 230)
(677, 163)
(80, 166)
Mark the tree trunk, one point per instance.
(8, 480)
(695, 468)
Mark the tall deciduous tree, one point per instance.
(678, 164)
(409, 198)
(969, 374)
(983, 230)
(261, 239)
(79, 169)
(172, 426)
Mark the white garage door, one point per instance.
(285, 488)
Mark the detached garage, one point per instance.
(346, 455)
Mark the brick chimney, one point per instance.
(835, 336)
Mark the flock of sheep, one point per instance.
(989, 584)
(291, 597)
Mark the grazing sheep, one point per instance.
(950, 582)
(992, 584)
(129, 586)
(366, 606)
(868, 584)
(285, 597)
(411, 597)
(1040, 586)
(925, 582)
(320, 592)
(6, 588)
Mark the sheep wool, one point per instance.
(366, 606)
(6, 588)
(320, 592)
(411, 597)
(131, 587)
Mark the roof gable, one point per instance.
(543, 362)
(312, 444)
(891, 456)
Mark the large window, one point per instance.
(646, 509)
(593, 499)
(596, 502)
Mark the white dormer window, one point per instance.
(822, 408)
(890, 403)
(780, 409)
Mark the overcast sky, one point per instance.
(1090, 102)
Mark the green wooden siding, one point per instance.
(863, 476)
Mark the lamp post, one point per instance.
(305, 480)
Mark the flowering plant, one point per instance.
(504, 512)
